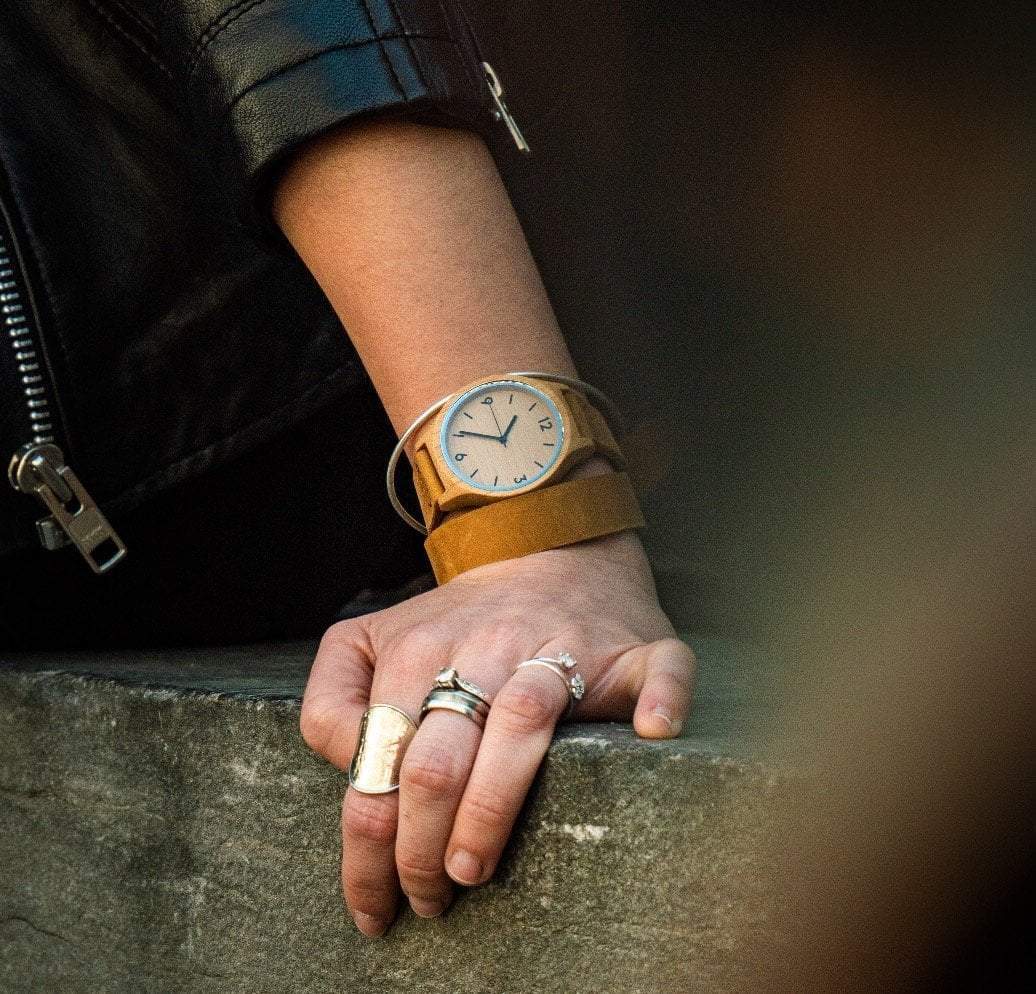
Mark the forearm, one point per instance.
(411, 235)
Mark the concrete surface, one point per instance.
(163, 828)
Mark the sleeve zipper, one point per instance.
(501, 113)
(500, 110)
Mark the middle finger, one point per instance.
(435, 770)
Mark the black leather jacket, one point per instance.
(155, 323)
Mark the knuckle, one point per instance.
(364, 818)
(420, 874)
(430, 774)
(422, 642)
(681, 652)
(317, 724)
(486, 810)
(527, 707)
(569, 635)
(501, 633)
(341, 635)
(420, 645)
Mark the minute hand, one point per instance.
(478, 434)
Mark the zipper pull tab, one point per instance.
(502, 113)
(40, 470)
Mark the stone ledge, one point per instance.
(163, 828)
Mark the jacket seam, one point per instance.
(283, 70)
(471, 70)
(409, 44)
(384, 54)
(131, 38)
(146, 26)
(216, 27)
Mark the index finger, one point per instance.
(337, 694)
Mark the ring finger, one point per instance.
(516, 738)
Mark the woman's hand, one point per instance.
(460, 787)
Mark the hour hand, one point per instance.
(507, 430)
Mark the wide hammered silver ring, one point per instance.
(561, 664)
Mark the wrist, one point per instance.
(569, 481)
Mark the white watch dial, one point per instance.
(502, 436)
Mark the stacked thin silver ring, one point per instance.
(451, 692)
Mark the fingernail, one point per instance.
(369, 925)
(427, 909)
(674, 725)
(464, 868)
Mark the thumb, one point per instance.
(662, 686)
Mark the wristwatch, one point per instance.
(501, 437)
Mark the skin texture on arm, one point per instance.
(411, 235)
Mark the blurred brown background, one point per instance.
(794, 241)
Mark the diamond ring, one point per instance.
(561, 664)
(449, 679)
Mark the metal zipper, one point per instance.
(38, 467)
(501, 113)
(496, 91)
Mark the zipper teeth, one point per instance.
(18, 333)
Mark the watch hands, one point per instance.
(507, 431)
(496, 421)
(478, 434)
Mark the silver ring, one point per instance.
(561, 664)
(455, 700)
(449, 679)
(385, 733)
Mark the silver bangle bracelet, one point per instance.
(606, 407)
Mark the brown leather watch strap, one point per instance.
(559, 515)
(437, 491)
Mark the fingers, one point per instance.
(369, 821)
(662, 683)
(435, 770)
(517, 734)
(369, 880)
(336, 694)
(461, 788)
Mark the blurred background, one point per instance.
(794, 241)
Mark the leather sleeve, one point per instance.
(263, 76)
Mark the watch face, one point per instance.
(502, 436)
